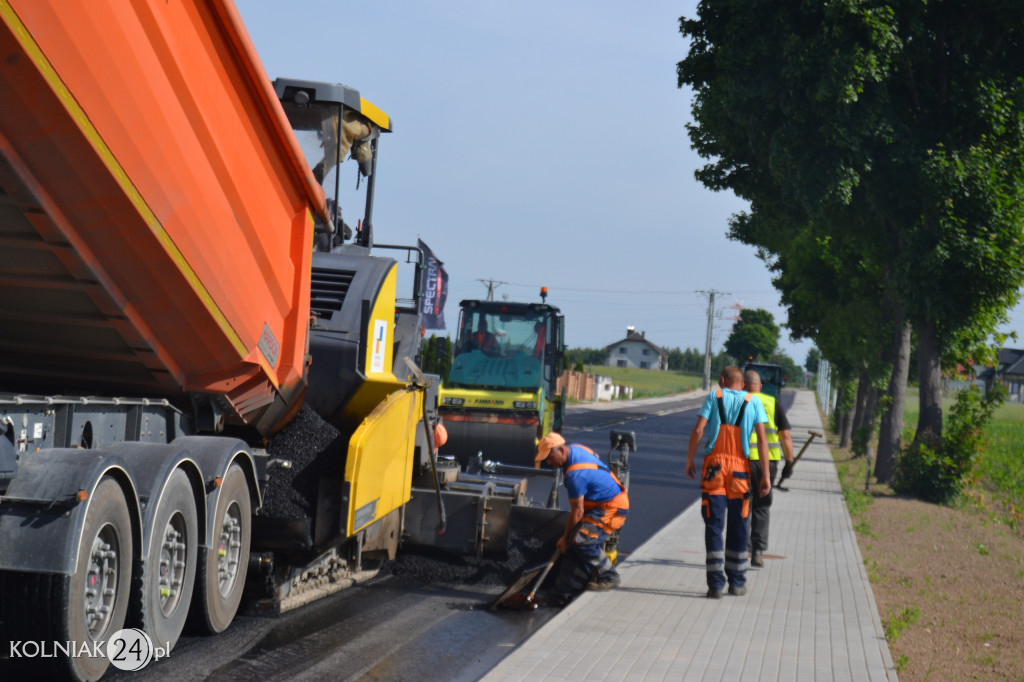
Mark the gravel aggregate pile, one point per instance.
(316, 450)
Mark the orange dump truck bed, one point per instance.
(155, 210)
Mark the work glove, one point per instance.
(787, 471)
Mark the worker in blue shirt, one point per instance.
(730, 415)
(598, 506)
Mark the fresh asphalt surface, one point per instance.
(392, 629)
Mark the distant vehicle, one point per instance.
(501, 394)
(772, 377)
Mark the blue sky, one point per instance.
(538, 144)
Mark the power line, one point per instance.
(667, 292)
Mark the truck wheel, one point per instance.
(97, 597)
(221, 575)
(164, 588)
(86, 607)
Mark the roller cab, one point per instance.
(500, 396)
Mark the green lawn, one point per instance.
(647, 383)
(1001, 468)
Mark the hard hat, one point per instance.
(440, 435)
(551, 440)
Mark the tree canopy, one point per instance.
(436, 355)
(881, 147)
(813, 358)
(755, 336)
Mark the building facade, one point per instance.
(636, 351)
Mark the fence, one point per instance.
(577, 385)
(586, 387)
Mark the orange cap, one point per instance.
(440, 435)
(552, 440)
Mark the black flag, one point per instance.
(433, 289)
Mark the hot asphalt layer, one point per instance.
(809, 614)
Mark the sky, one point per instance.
(539, 144)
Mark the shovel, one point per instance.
(513, 597)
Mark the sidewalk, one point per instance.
(809, 614)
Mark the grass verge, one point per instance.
(648, 383)
(948, 581)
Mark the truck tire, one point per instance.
(164, 586)
(220, 579)
(61, 608)
(98, 593)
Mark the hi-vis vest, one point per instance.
(771, 431)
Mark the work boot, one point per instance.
(714, 594)
(737, 591)
(604, 582)
(757, 559)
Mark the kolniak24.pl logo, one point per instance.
(128, 649)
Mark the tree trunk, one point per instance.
(848, 418)
(859, 405)
(891, 431)
(840, 412)
(862, 437)
(929, 368)
(847, 437)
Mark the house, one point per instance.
(636, 351)
(1009, 372)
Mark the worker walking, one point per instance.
(780, 443)
(732, 416)
(598, 507)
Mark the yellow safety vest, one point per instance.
(771, 431)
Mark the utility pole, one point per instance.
(711, 325)
(491, 286)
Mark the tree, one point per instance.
(813, 360)
(755, 336)
(690, 360)
(834, 297)
(434, 362)
(586, 356)
(899, 119)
